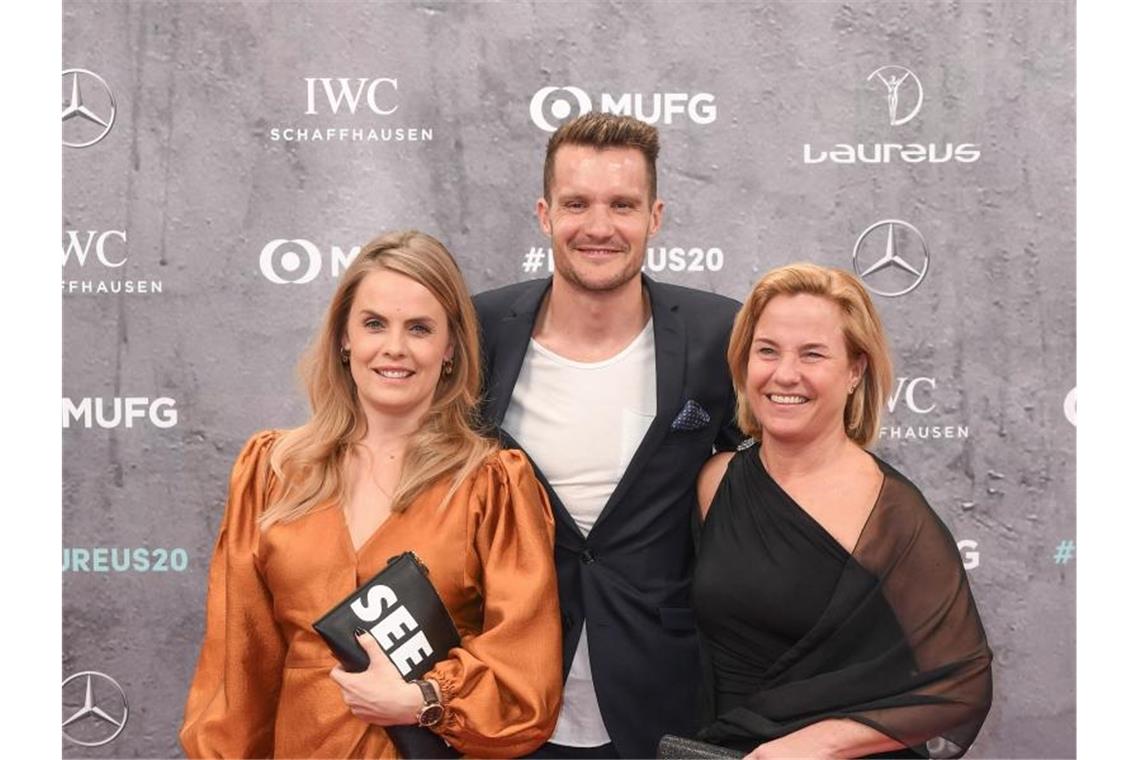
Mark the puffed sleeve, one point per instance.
(502, 689)
(233, 695)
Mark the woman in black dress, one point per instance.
(835, 616)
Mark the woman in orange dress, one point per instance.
(387, 463)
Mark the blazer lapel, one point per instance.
(512, 338)
(669, 358)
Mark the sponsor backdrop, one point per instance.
(225, 161)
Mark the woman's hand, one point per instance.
(378, 695)
(789, 746)
(831, 738)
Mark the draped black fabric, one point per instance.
(795, 630)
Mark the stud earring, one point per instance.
(344, 355)
(448, 366)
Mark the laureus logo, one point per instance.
(904, 92)
(88, 108)
(903, 95)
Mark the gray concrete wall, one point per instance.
(191, 176)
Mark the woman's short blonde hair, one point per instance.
(862, 331)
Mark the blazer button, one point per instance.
(587, 557)
(567, 620)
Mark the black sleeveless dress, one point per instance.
(794, 629)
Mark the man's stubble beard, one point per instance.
(568, 273)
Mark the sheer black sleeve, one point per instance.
(899, 647)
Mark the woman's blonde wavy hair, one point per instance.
(309, 461)
(862, 332)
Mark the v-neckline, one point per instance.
(346, 531)
(810, 518)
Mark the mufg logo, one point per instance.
(971, 554)
(119, 412)
(298, 261)
(550, 106)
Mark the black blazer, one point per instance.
(629, 580)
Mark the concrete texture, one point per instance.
(191, 174)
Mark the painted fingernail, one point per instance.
(359, 631)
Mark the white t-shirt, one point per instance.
(581, 424)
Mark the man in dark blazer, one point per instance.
(617, 388)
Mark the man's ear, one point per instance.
(656, 209)
(542, 209)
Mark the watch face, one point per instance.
(431, 714)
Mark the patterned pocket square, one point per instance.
(692, 417)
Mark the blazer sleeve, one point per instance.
(722, 314)
(502, 688)
(233, 695)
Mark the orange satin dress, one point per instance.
(262, 686)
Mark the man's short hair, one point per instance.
(603, 130)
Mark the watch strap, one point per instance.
(429, 693)
(432, 711)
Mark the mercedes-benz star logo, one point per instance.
(93, 725)
(893, 78)
(83, 118)
(899, 276)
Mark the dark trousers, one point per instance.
(563, 752)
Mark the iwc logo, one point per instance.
(891, 257)
(88, 108)
(910, 401)
(94, 709)
(352, 109)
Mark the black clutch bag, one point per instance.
(402, 610)
(679, 748)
